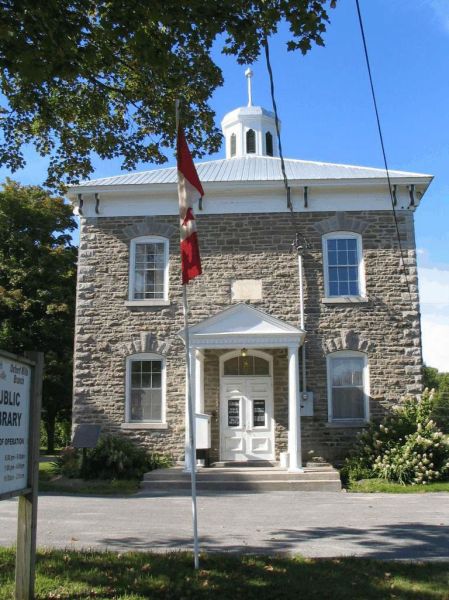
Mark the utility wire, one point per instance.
(276, 118)
(390, 188)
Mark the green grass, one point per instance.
(69, 575)
(49, 482)
(380, 485)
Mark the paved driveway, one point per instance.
(311, 523)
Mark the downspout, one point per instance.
(300, 251)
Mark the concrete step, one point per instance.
(243, 480)
(244, 486)
(242, 475)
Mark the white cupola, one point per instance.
(250, 130)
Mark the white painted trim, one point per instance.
(155, 302)
(245, 198)
(146, 239)
(144, 425)
(145, 356)
(366, 385)
(294, 412)
(344, 300)
(336, 235)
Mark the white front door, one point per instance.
(246, 418)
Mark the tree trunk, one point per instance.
(50, 423)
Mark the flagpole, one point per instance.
(190, 409)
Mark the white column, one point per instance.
(294, 412)
(199, 381)
(188, 458)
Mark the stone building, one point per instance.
(276, 384)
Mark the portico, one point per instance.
(245, 335)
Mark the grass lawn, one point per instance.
(380, 485)
(68, 575)
(49, 482)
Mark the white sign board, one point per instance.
(15, 392)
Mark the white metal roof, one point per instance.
(254, 168)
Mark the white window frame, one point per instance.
(147, 239)
(338, 235)
(145, 424)
(366, 385)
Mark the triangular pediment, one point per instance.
(243, 319)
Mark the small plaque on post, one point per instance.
(86, 435)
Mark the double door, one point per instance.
(246, 419)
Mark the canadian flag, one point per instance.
(189, 190)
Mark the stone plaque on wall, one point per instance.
(246, 289)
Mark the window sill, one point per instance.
(344, 299)
(137, 303)
(144, 426)
(347, 424)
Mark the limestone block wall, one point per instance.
(233, 247)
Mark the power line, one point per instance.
(390, 188)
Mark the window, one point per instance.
(343, 265)
(347, 374)
(233, 144)
(250, 141)
(148, 281)
(269, 143)
(246, 365)
(145, 389)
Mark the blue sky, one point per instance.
(326, 110)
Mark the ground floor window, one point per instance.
(145, 388)
(347, 374)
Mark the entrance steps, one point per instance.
(222, 479)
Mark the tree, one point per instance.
(83, 76)
(435, 380)
(37, 288)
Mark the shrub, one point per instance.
(68, 463)
(113, 458)
(118, 458)
(406, 447)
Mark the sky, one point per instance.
(325, 106)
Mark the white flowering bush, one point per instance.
(406, 447)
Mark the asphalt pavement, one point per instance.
(314, 524)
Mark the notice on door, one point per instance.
(15, 392)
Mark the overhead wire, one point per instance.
(379, 128)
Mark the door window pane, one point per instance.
(259, 413)
(233, 413)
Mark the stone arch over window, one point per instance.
(150, 226)
(269, 144)
(145, 342)
(341, 221)
(233, 144)
(348, 339)
(250, 141)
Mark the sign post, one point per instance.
(20, 408)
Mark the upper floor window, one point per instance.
(343, 264)
(148, 281)
(269, 143)
(145, 388)
(233, 144)
(348, 389)
(250, 141)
